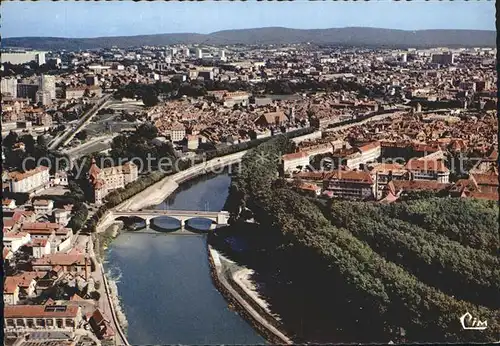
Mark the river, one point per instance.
(164, 281)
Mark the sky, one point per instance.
(95, 19)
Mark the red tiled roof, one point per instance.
(10, 285)
(308, 187)
(354, 176)
(5, 252)
(94, 170)
(312, 175)
(491, 196)
(17, 176)
(32, 226)
(294, 156)
(369, 146)
(427, 165)
(419, 185)
(8, 223)
(38, 311)
(60, 259)
(388, 167)
(485, 178)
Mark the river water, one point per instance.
(164, 281)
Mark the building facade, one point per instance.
(9, 87)
(428, 170)
(30, 180)
(21, 319)
(108, 179)
(357, 185)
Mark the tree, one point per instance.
(95, 295)
(29, 143)
(82, 135)
(11, 139)
(149, 98)
(41, 142)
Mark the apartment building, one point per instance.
(421, 169)
(30, 180)
(21, 319)
(294, 161)
(176, 132)
(383, 173)
(357, 185)
(364, 154)
(69, 262)
(43, 206)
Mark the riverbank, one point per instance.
(158, 192)
(246, 304)
(110, 299)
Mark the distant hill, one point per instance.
(355, 36)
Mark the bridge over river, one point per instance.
(217, 217)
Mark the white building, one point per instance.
(19, 58)
(9, 87)
(8, 204)
(48, 83)
(428, 170)
(192, 142)
(22, 319)
(13, 241)
(295, 161)
(41, 247)
(30, 180)
(61, 216)
(367, 153)
(43, 206)
(199, 53)
(43, 97)
(177, 132)
(223, 55)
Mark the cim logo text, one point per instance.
(471, 323)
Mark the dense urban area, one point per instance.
(372, 174)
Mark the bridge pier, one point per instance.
(183, 224)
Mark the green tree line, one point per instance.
(461, 271)
(471, 222)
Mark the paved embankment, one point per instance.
(157, 193)
(244, 303)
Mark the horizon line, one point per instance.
(254, 28)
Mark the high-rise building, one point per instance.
(9, 87)
(91, 79)
(223, 55)
(43, 97)
(443, 59)
(25, 90)
(186, 51)
(199, 53)
(48, 83)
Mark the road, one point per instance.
(94, 145)
(70, 132)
